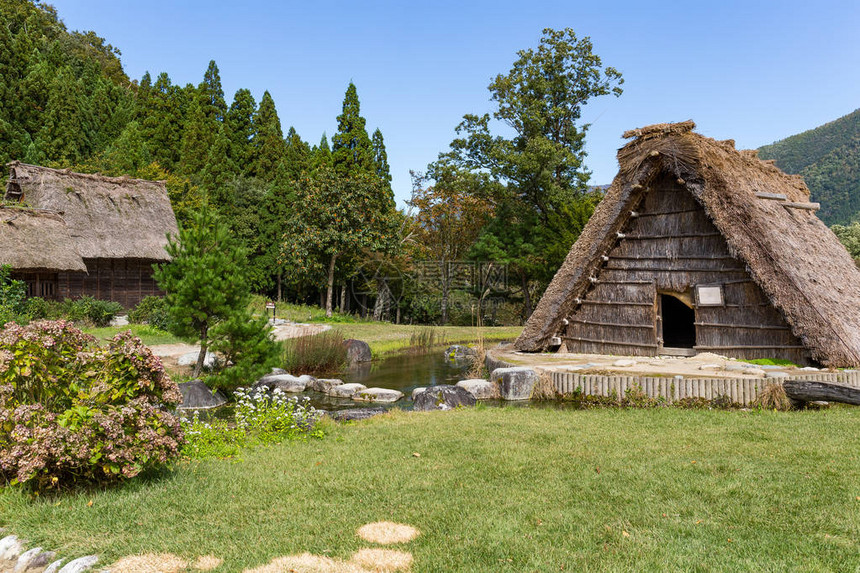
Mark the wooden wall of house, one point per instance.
(670, 247)
(125, 281)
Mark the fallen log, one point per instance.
(808, 391)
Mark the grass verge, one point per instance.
(385, 338)
(501, 490)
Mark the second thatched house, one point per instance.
(77, 234)
(700, 247)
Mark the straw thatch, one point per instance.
(107, 217)
(32, 240)
(796, 261)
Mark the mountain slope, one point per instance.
(828, 158)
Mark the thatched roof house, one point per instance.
(697, 246)
(32, 240)
(117, 227)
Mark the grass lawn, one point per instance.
(502, 490)
(385, 338)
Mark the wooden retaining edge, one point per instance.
(739, 390)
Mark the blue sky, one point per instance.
(752, 71)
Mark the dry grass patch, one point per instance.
(207, 563)
(307, 563)
(151, 563)
(544, 387)
(382, 560)
(387, 532)
(773, 397)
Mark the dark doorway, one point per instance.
(679, 329)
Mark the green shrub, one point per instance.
(41, 309)
(74, 412)
(322, 353)
(13, 297)
(92, 311)
(151, 310)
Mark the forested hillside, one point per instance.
(488, 225)
(828, 158)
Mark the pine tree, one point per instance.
(352, 152)
(297, 157)
(212, 94)
(205, 280)
(218, 171)
(321, 154)
(239, 128)
(162, 126)
(197, 138)
(67, 129)
(267, 144)
(380, 159)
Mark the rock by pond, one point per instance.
(345, 390)
(442, 397)
(198, 396)
(417, 391)
(354, 414)
(516, 383)
(459, 352)
(324, 384)
(357, 351)
(383, 395)
(479, 388)
(285, 382)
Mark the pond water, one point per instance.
(403, 372)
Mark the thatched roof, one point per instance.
(36, 241)
(795, 259)
(107, 217)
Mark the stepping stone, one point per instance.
(284, 382)
(210, 361)
(777, 375)
(345, 390)
(479, 388)
(325, 384)
(383, 395)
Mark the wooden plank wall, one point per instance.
(740, 390)
(125, 281)
(669, 247)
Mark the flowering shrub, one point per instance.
(259, 418)
(73, 411)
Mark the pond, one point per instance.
(403, 372)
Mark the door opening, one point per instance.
(679, 328)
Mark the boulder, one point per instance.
(325, 384)
(442, 397)
(10, 548)
(418, 391)
(754, 372)
(285, 382)
(54, 567)
(383, 395)
(776, 375)
(479, 388)
(198, 396)
(459, 352)
(356, 414)
(357, 351)
(33, 559)
(80, 564)
(345, 390)
(516, 383)
(624, 362)
(210, 361)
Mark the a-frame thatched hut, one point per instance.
(116, 226)
(700, 247)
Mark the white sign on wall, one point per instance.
(709, 295)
